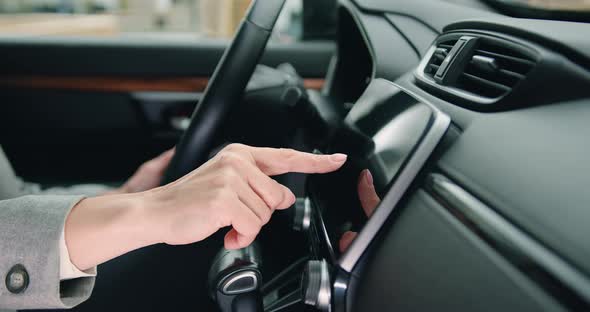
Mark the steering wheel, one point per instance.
(225, 88)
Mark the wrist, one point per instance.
(152, 213)
(145, 214)
(101, 228)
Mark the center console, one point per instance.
(391, 133)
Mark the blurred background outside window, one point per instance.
(149, 18)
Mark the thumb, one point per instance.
(367, 193)
(167, 155)
(346, 240)
(161, 162)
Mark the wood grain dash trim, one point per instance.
(119, 84)
(314, 83)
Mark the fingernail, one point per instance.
(368, 177)
(339, 158)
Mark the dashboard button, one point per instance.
(302, 215)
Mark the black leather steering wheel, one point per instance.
(225, 88)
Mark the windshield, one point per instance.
(571, 10)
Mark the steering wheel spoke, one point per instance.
(225, 88)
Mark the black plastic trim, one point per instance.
(558, 278)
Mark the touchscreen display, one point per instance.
(380, 134)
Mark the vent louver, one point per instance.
(494, 70)
(441, 52)
(477, 68)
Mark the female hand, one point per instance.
(231, 190)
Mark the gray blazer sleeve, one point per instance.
(30, 229)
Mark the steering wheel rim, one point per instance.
(225, 88)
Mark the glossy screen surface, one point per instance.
(380, 134)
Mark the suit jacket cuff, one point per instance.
(30, 232)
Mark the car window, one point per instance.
(148, 18)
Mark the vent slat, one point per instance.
(431, 69)
(487, 82)
(438, 57)
(517, 60)
(501, 76)
(512, 66)
(448, 44)
(480, 86)
(512, 74)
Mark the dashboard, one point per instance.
(474, 126)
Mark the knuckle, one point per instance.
(229, 175)
(219, 181)
(266, 218)
(316, 161)
(274, 201)
(221, 198)
(250, 228)
(277, 196)
(256, 223)
(216, 200)
(229, 159)
(254, 229)
(234, 147)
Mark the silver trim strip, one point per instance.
(434, 134)
(237, 277)
(306, 223)
(325, 293)
(503, 232)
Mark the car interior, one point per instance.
(473, 117)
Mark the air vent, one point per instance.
(475, 68)
(440, 53)
(493, 70)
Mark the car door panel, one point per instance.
(72, 106)
(145, 58)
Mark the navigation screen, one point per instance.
(380, 134)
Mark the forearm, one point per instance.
(102, 228)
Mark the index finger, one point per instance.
(273, 161)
